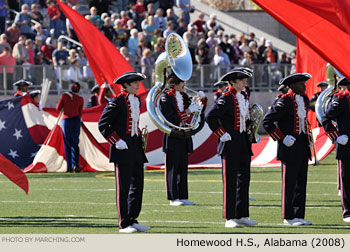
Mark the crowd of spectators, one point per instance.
(137, 28)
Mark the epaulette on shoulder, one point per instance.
(226, 93)
(279, 95)
(284, 96)
(340, 94)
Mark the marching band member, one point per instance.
(221, 85)
(72, 105)
(119, 124)
(93, 99)
(339, 111)
(176, 106)
(22, 87)
(288, 112)
(228, 119)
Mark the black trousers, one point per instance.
(176, 166)
(294, 180)
(345, 187)
(236, 180)
(129, 190)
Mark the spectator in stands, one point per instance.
(95, 18)
(150, 9)
(157, 50)
(141, 12)
(222, 61)
(4, 43)
(130, 25)
(59, 59)
(54, 15)
(171, 17)
(270, 54)
(227, 48)
(23, 20)
(70, 31)
(261, 50)
(191, 38)
(104, 16)
(248, 59)
(82, 59)
(211, 38)
(202, 56)
(132, 13)
(146, 67)
(157, 34)
(181, 18)
(142, 46)
(169, 29)
(119, 29)
(6, 59)
(133, 60)
(244, 46)
(133, 42)
(251, 37)
(40, 60)
(102, 5)
(124, 18)
(2, 17)
(36, 14)
(48, 49)
(74, 66)
(186, 7)
(13, 32)
(29, 47)
(181, 29)
(108, 30)
(159, 20)
(213, 25)
(201, 25)
(283, 59)
(237, 52)
(20, 52)
(39, 33)
(149, 29)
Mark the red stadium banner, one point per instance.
(322, 24)
(105, 60)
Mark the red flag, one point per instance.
(105, 60)
(322, 24)
(14, 173)
(308, 61)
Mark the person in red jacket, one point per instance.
(22, 87)
(72, 105)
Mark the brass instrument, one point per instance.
(312, 146)
(176, 56)
(256, 115)
(144, 135)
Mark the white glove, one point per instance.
(194, 107)
(225, 137)
(121, 145)
(105, 85)
(201, 94)
(343, 139)
(288, 140)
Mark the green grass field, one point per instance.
(85, 203)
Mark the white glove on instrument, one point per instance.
(121, 145)
(225, 137)
(288, 140)
(194, 107)
(201, 94)
(105, 85)
(343, 139)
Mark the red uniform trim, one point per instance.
(333, 135)
(283, 190)
(113, 138)
(118, 195)
(276, 134)
(219, 132)
(183, 115)
(237, 113)
(225, 184)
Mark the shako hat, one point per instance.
(237, 73)
(295, 77)
(129, 77)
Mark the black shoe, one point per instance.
(76, 169)
(70, 170)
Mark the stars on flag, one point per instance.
(10, 105)
(18, 134)
(2, 125)
(13, 153)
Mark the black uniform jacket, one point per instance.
(281, 119)
(169, 109)
(339, 111)
(113, 125)
(224, 117)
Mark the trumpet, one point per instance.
(144, 136)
